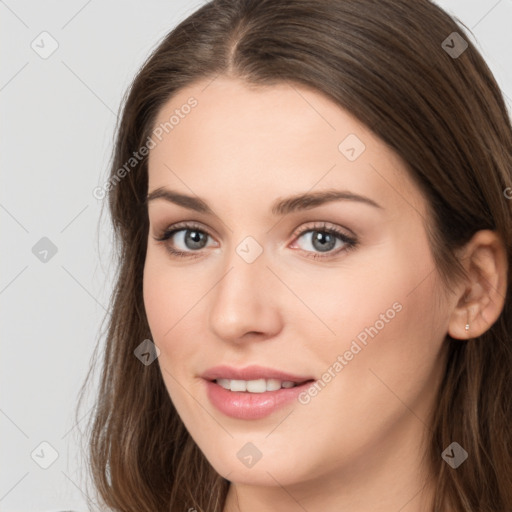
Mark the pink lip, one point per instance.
(251, 373)
(251, 406)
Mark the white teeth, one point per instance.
(254, 386)
(273, 384)
(238, 385)
(225, 383)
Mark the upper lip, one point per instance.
(253, 372)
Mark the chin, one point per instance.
(241, 464)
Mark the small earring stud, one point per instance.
(467, 327)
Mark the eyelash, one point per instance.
(350, 242)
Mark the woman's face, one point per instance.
(341, 292)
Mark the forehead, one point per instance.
(244, 138)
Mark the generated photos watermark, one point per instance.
(174, 120)
(356, 346)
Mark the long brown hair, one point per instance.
(387, 63)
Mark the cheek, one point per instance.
(388, 322)
(173, 305)
(168, 294)
(164, 308)
(155, 300)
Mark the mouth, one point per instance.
(253, 392)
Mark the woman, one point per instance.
(312, 310)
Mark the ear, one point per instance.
(481, 297)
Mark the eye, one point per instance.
(324, 239)
(191, 237)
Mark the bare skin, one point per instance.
(357, 444)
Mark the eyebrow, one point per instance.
(284, 206)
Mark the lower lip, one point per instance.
(251, 406)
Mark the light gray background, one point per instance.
(57, 117)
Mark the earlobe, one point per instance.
(482, 295)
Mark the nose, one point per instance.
(245, 300)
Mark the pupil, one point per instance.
(194, 237)
(321, 239)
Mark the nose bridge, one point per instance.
(242, 301)
(246, 271)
